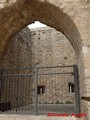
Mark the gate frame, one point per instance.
(76, 81)
(36, 74)
(36, 95)
(77, 96)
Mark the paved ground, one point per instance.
(30, 117)
(44, 109)
(52, 108)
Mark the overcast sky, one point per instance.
(37, 24)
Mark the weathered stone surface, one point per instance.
(66, 15)
(51, 48)
(17, 55)
(31, 117)
(70, 17)
(40, 47)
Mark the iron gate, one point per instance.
(39, 90)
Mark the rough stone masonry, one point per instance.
(68, 16)
(42, 47)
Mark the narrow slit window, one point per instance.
(40, 89)
(71, 87)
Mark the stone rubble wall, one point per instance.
(71, 17)
(52, 48)
(40, 47)
(18, 55)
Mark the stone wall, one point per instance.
(18, 55)
(69, 17)
(40, 47)
(52, 48)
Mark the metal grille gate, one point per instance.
(39, 90)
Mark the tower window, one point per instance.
(40, 89)
(71, 87)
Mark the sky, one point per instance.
(37, 24)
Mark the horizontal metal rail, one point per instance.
(31, 68)
(37, 67)
(11, 75)
(56, 66)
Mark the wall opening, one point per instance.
(50, 15)
(71, 87)
(29, 51)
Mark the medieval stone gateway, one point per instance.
(72, 18)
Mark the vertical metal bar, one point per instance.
(4, 92)
(77, 99)
(36, 95)
(1, 73)
(17, 96)
(0, 82)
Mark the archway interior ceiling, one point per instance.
(30, 11)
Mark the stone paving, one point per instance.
(31, 117)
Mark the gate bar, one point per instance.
(1, 73)
(56, 66)
(17, 93)
(77, 98)
(36, 95)
(11, 75)
(38, 67)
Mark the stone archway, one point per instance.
(64, 16)
(17, 17)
